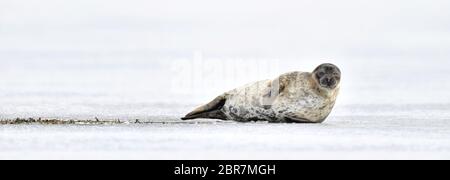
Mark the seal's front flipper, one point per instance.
(211, 110)
(294, 119)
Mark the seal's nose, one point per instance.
(331, 82)
(328, 81)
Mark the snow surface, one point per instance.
(342, 137)
(153, 61)
(353, 131)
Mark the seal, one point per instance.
(301, 97)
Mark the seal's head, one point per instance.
(327, 76)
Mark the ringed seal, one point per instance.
(301, 97)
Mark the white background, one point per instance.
(137, 59)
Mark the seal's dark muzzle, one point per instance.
(328, 82)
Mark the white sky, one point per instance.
(307, 28)
(46, 44)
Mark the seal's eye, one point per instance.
(319, 75)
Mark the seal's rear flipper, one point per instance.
(211, 110)
(217, 114)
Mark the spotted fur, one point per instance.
(292, 97)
